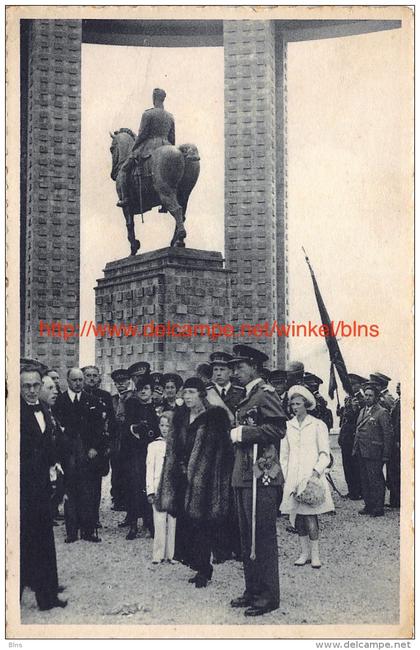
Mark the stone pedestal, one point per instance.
(170, 285)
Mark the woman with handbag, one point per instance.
(304, 457)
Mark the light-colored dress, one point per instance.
(304, 449)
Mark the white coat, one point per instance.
(154, 463)
(304, 449)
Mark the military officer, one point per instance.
(260, 425)
(372, 447)
(121, 379)
(321, 411)
(385, 398)
(157, 128)
(230, 394)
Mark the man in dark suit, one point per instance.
(226, 536)
(84, 444)
(38, 562)
(260, 425)
(48, 397)
(372, 447)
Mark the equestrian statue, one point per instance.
(151, 171)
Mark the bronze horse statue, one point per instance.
(167, 179)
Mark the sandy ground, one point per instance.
(115, 582)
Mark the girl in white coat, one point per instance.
(305, 453)
(164, 523)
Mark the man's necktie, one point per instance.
(223, 393)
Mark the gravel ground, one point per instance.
(115, 582)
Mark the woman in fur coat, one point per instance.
(196, 475)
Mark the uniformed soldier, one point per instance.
(121, 379)
(385, 398)
(348, 421)
(230, 394)
(260, 425)
(321, 411)
(157, 128)
(372, 446)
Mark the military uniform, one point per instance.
(262, 421)
(372, 446)
(157, 128)
(348, 422)
(393, 470)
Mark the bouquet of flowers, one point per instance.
(313, 493)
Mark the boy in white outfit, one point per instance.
(165, 524)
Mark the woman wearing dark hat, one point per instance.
(195, 479)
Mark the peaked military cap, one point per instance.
(139, 368)
(373, 385)
(379, 378)
(120, 374)
(278, 375)
(156, 378)
(310, 378)
(246, 353)
(220, 358)
(172, 376)
(357, 379)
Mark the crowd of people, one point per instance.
(206, 464)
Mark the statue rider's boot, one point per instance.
(122, 203)
(162, 209)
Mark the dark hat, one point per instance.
(195, 382)
(265, 374)
(139, 368)
(278, 375)
(373, 386)
(310, 378)
(160, 93)
(220, 358)
(172, 376)
(380, 379)
(156, 378)
(295, 371)
(248, 354)
(143, 380)
(356, 379)
(120, 374)
(33, 365)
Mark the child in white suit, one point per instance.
(165, 524)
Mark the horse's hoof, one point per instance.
(135, 247)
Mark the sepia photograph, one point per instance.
(209, 312)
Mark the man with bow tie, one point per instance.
(372, 447)
(84, 443)
(38, 562)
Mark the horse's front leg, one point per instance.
(131, 235)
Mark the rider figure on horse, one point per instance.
(157, 128)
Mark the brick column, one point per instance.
(52, 219)
(253, 163)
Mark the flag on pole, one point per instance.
(332, 388)
(333, 348)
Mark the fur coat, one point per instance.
(197, 469)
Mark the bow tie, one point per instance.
(35, 408)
